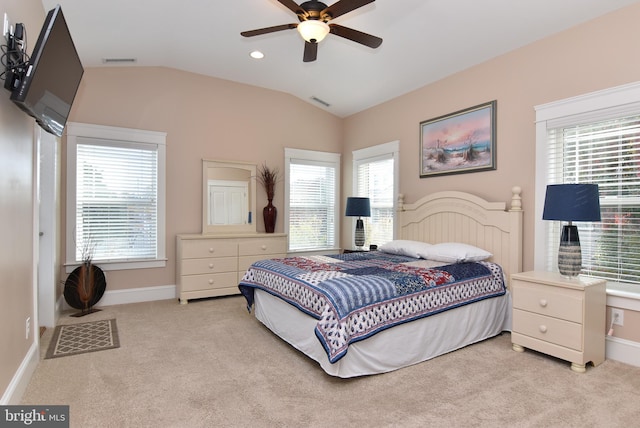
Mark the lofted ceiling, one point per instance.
(424, 41)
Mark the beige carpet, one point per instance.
(211, 364)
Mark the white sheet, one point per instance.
(391, 349)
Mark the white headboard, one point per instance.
(466, 218)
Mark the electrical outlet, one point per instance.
(6, 28)
(617, 315)
(27, 327)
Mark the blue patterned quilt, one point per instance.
(356, 295)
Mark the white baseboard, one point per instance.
(136, 295)
(623, 350)
(130, 295)
(16, 389)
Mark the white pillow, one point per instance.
(404, 247)
(454, 252)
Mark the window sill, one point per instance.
(623, 290)
(122, 265)
(624, 296)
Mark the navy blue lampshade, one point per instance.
(572, 202)
(358, 207)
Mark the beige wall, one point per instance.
(594, 56)
(590, 57)
(16, 215)
(203, 118)
(630, 330)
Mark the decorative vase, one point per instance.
(270, 213)
(84, 288)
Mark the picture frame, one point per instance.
(460, 142)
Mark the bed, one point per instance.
(461, 248)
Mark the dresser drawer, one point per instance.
(210, 265)
(208, 282)
(202, 248)
(250, 247)
(563, 303)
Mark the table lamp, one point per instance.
(358, 207)
(571, 202)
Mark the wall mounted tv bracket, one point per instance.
(15, 59)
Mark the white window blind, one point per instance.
(604, 152)
(376, 181)
(312, 203)
(375, 170)
(115, 196)
(116, 201)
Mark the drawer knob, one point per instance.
(543, 328)
(210, 265)
(211, 281)
(211, 250)
(264, 247)
(543, 303)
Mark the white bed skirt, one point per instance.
(394, 348)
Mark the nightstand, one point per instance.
(559, 316)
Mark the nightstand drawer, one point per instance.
(209, 282)
(563, 303)
(212, 265)
(548, 329)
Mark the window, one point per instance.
(375, 176)
(115, 196)
(311, 199)
(599, 145)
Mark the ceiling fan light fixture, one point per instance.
(313, 30)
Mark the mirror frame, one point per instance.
(252, 168)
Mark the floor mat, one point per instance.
(74, 339)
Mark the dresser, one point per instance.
(213, 265)
(562, 317)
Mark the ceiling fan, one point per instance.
(314, 16)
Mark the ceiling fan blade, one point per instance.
(355, 35)
(268, 30)
(310, 52)
(344, 6)
(293, 7)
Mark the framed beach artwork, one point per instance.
(464, 141)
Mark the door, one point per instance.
(48, 195)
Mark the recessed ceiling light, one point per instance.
(256, 55)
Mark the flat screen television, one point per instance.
(52, 76)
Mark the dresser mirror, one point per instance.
(228, 197)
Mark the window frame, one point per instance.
(312, 156)
(390, 150)
(118, 135)
(596, 106)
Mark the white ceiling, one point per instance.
(424, 41)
